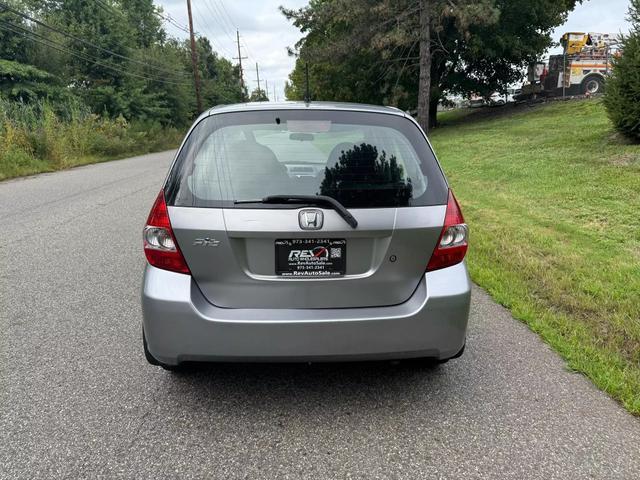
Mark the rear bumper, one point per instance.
(181, 325)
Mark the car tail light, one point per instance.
(160, 246)
(452, 244)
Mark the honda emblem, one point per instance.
(311, 219)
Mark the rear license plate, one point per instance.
(303, 257)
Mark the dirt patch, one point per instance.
(625, 159)
(619, 139)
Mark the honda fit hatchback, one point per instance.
(304, 232)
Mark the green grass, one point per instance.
(552, 197)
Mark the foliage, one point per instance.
(623, 86)
(221, 79)
(25, 82)
(367, 50)
(364, 164)
(35, 138)
(113, 56)
(554, 227)
(258, 95)
(12, 46)
(84, 81)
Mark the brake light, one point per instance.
(160, 246)
(452, 244)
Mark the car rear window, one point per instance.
(363, 160)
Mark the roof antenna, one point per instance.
(307, 94)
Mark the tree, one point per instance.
(13, 45)
(145, 24)
(364, 164)
(623, 86)
(26, 83)
(112, 56)
(258, 95)
(424, 79)
(220, 79)
(410, 53)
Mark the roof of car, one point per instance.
(261, 106)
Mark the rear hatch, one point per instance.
(246, 253)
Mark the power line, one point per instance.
(108, 8)
(166, 17)
(35, 37)
(212, 39)
(218, 16)
(86, 42)
(60, 47)
(227, 24)
(219, 19)
(8, 26)
(251, 57)
(226, 20)
(227, 14)
(170, 20)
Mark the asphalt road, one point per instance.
(78, 400)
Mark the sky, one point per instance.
(265, 33)
(601, 16)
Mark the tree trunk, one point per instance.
(424, 83)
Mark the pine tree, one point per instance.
(622, 97)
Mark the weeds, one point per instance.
(38, 138)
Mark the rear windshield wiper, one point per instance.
(314, 199)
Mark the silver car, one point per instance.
(304, 232)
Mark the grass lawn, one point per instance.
(552, 197)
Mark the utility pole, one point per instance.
(258, 76)
(275, 98)
(266, 89)
(194, 60)
(240, 58)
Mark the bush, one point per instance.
(39, 137)
(622, 96)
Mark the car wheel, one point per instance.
(154, 361)
(592, 84)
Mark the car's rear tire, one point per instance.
(154, 361)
